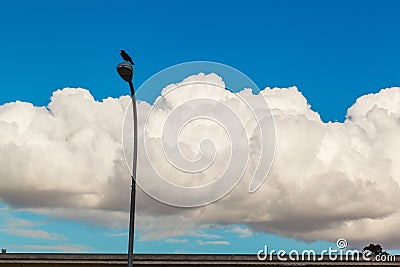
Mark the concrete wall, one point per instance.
(118, 260)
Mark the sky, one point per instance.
(330, 58)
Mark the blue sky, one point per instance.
(333, 51)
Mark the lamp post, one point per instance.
(125, 70)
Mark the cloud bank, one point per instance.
(328, 180)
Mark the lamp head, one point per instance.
(125, 70)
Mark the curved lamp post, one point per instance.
(125, 70)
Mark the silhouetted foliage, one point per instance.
(375, 249)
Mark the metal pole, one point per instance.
(133, 189)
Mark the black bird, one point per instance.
(126, 57)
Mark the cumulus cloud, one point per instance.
(64, 155)
(328, 180)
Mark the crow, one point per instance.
(126, 57)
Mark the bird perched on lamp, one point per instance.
(126, 57)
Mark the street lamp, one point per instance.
(125, 70)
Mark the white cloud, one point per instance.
(55, 248)
(15, 222)
(219, 242)
(328, 180)
(26, 228)
(176, 241)
(118, 234)
(164, 226)
(205, 235)
(242, 232)
(32, 233)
